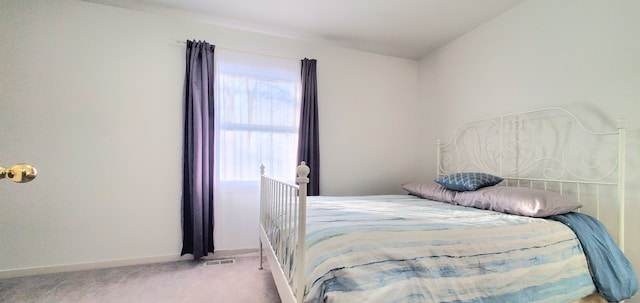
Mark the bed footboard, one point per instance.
(283, 229)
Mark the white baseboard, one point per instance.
(32, 271)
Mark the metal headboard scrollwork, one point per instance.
(548, 148)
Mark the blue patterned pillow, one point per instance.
(468, 181)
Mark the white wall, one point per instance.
(91, 95)
(581, 55)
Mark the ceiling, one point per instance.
(399, 28)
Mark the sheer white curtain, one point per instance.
(258, 105)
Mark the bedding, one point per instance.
(403, 248)
(612, 272)
(468, 181)
(518, 201)
(429, 190)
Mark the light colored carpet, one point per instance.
(184, 281)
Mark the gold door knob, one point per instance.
(19, 173)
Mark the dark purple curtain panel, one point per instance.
(308, 136)
(198, 160)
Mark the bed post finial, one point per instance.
(622, 123)
(303, 173)
(262, 169)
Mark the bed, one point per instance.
(514, 215)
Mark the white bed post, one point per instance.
(302, 180)
(262, 199)
(622, 141)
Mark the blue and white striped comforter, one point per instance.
(407, 249)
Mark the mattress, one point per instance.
(400, 248)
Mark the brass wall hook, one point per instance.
(19, 173)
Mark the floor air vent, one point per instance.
(219, 262)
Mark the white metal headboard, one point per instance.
(548, 149)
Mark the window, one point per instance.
(258, 116)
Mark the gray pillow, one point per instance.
(429, 190)
(521, 201)
(468, 181)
